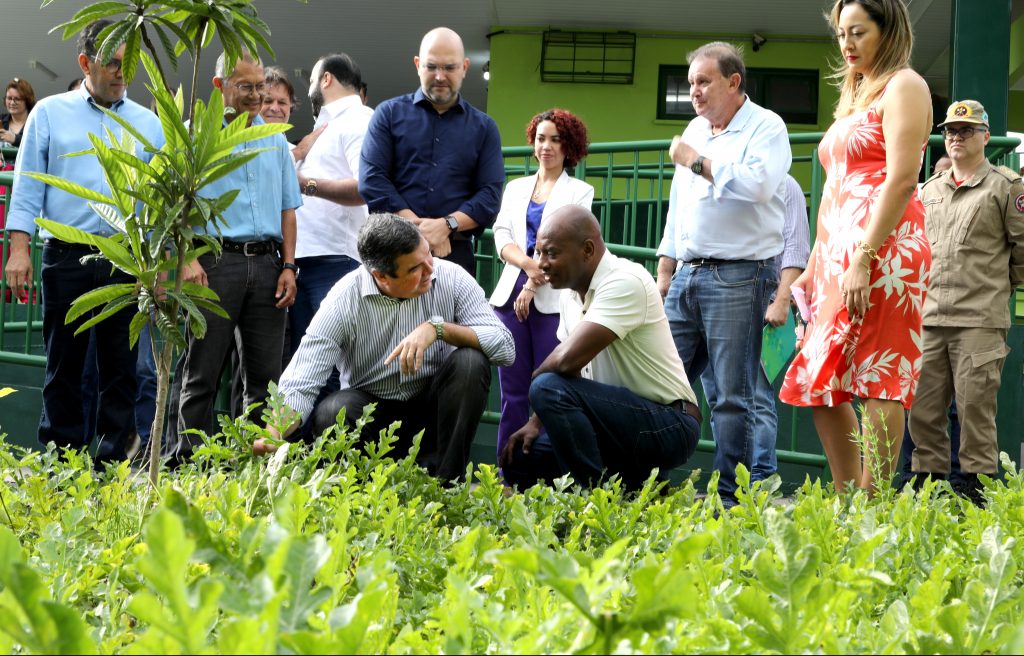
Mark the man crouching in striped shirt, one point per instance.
(410, 333)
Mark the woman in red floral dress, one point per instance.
(869, 266)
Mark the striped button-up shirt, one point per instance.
(357, 327)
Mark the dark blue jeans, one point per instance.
(63, 421)
(317, 276)
(716, 312)
(594, 431)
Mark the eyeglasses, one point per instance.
(447, 68)
(14, 99)
(112, 66)
(963, 133)
(248, 88)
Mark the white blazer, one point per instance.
(510, 228)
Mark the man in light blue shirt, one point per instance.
(60, 125)
(724, 229)
(255, 275)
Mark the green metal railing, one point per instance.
(631, 181)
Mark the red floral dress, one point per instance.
(876, 355)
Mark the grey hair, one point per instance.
(728, 56)
(383, 239)
(222, 63)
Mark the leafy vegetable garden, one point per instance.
(334, 548)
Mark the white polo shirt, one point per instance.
(624, 299)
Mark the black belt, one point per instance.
(59, 243)
(250, 248)
(688, 408)
(711, 261)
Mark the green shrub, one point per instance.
(333, 548)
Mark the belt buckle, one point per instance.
(245, 248)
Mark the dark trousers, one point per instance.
(246, 286)
(594, 430)
(65, 278)
(448, 413)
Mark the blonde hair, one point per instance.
(895, 44)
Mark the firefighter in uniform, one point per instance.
(974, 218)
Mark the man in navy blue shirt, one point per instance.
(433, 158)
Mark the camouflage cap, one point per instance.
(966, 111)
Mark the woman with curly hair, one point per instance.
(523, 299)
(869, 267)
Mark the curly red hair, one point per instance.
(570, 128)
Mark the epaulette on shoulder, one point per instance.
(935, 176)
(1007, 173)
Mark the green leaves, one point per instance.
(31, 618)
(338, 548)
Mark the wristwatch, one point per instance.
(438, 323)
(291, 266)
(310, 188)
(453, 223)
(698, 166)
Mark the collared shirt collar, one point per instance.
(738, 121)
(334, 108)
(84, 93)
(983, 170)
(419, 98)
(603, 270)
(256, 120)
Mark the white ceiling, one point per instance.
(383, 36)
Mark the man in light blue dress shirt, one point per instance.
(724, 229)
(60, 125)
(254, 275)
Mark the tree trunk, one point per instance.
(163, 381)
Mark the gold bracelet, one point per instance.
(871, 252)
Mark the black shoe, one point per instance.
(970, 488)
(920, 478)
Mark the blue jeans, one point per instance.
(716, 312)
(63, 421)
(764, 461)
(317, 275)
(594, 430)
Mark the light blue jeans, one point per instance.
(716, 313)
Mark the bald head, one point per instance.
(443, 37)
(570, 246)
(572, 222)
(441, 66)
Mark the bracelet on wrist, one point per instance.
(532, 290)
(870, 252)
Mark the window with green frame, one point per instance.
(791, 93)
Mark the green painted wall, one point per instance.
(1015, 112)
(624, 112)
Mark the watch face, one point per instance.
(453, 223)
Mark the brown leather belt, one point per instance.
(688, 408)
